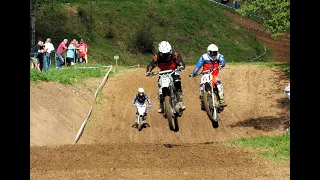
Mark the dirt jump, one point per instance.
(109, 148)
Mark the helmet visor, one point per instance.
(165, 56)
(213, 53)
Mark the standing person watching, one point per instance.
(83, 49)
(48, 48)
(77, 56)
(60, 53)
(71, 53)
(41, 55)
(35, 51)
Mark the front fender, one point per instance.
(166, 91)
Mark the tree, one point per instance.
(276, 14)
(32, 21)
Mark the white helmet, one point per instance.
(140, 90)
(212, 50)
(165, 47)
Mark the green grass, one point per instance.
(276, 148)
(72, 75)
(111, 28)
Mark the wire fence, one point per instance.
(232, 7)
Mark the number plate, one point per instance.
(165, 80)
(205, 78)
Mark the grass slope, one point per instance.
(121, 27)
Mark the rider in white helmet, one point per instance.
(210, 60)
(141, 97)
(167, 59)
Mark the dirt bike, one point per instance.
(171, 110)
(210, 96)
(141, 116)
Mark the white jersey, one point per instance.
(49, 46)
(287, 91)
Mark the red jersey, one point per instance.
(62, 46)
(83, 49)
(172, 63)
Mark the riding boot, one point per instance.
(179, 99)
(221, 95)
(160, 97)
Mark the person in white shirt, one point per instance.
(287, 91)
(48, 48)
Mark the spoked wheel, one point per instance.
(139, 123)
(170, 115)
(176, 123)
(210, 109)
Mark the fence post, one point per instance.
(116, 57)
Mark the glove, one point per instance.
(149, 106)
(148, 73)
(220, 67)
(133, 104)
(191, 75)
(181, 68)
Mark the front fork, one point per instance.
(206, 88)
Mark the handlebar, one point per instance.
(164, 72)
(205, 72)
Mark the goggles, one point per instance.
(213, 53)
(165, 55)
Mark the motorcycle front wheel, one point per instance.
(172, 120)
(211, 110)
(139, 122)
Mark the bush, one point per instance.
(143, 42)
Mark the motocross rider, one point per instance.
(167, 59)
(210, 60)
(141, 97)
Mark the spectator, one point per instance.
(35, 51)
(236, 4)
(77, 56)
(224, 1)
(41, 55)
(48, 48)
(60, 53)
(71, 52)
(83, 48)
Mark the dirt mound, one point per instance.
(110, 148)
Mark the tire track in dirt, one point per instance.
(246, 89)
(110, 148)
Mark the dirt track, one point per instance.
(110, 148)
